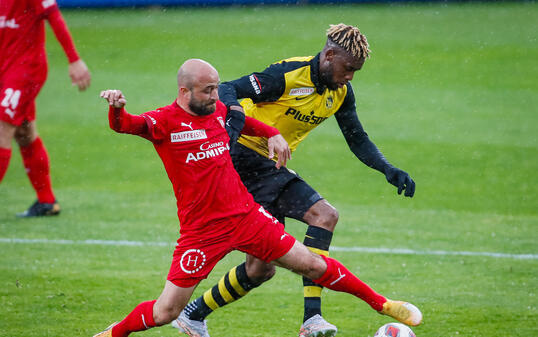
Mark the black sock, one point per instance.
(318, 240)
(234, 284)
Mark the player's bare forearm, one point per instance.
(78, 71)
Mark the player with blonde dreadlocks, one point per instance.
(296, 95)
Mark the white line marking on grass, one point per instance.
(404, 251)
(88, 242)
(397, 251)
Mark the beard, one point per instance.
(327, 78)
(202, 108)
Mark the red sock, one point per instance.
(5, 155)
(36, 162)
(339, 278)
(141, 318)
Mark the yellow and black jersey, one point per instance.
(290, 95)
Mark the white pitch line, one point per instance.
(404, 251)
(397, 251)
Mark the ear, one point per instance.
(329, 54)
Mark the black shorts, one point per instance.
(280, 191)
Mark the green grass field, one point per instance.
(449, 95)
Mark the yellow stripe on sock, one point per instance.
(235, 283)
(312, 291)
(210, 301)
(319, 251)
(224, 292)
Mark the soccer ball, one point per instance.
(394, 330)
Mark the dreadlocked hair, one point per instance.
(350, 39)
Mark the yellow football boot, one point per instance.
(402, 311)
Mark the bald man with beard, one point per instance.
(216, 213)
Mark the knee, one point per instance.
(259, 273)
(23, 138)
(327, 219)
(7, 133)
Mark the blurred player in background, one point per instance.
(295, 96)
(216, 213)
(23, 71)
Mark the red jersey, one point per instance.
(195, 154)
(22, 36)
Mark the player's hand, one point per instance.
(402, 180)
(80, 75)
(277, 144)
(114, 98)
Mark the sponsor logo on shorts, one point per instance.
(208, 150)
(301, 91)
(255, 84)
(8, 23)
(192, 261)
(267, 214)
(186, 136)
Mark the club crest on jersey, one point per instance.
(186, 136)
(329, 102)
(221, 121)
(192, 261)
(301, 91)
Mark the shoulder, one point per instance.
(162, 114)
(291, 64)
(221, 107)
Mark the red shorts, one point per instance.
(17, 99)
(257, 233)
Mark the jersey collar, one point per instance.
(315, 75)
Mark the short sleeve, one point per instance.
(157, 123)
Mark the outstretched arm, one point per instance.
(276, 144)
(118, 118)
(237, 123)
(367, 152)
(78, 71)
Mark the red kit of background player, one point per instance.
(23, 71)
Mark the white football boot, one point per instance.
(107, 332)
(317, 326)
(190, 327)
